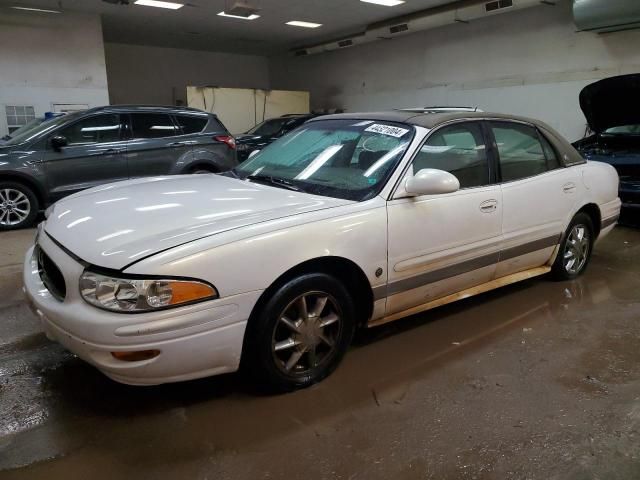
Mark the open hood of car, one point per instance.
(612, 102)
(121, 223)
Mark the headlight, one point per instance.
(140, 295)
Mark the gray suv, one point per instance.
(64, 155)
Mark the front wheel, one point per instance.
(301, 333)
(18, 206)
(575, 249)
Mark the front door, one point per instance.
(442, 244)
(94, 155)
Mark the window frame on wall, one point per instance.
(27, 117)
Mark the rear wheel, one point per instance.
(575, 250)
(301, 334)
(18, 206)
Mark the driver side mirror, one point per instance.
(430, 181)
(59, 141)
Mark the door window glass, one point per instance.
(520, 150)
(152, 125)
(458, 149)
(550, 153)
(96, 129)
(191, 123)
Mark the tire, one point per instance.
(18, 206)
(575, 250)
(202, 170)
(283, 352)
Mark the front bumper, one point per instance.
(194, 341)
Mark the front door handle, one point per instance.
(489, 206)
(569, 187)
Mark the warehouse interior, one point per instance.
(539, 379)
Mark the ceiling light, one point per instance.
(250, 17)
(33, 9)
(386, 3)
(159, 4)
(296, 23)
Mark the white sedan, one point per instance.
(351, 220)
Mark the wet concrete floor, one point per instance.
(539, 380)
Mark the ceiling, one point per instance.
(197, 25)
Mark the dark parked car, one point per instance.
(612, 108)
(267, 132)
(64, 155)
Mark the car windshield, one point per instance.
(30, 125)
(348, 159)
(269, 127)
(624, 130)
(21, 136)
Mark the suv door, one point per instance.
(155, 146)
(94, 155)
(442, 244)
(539, 195)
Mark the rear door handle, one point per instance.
(489, 206)
(569, 187)
(111, 151)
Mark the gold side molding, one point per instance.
(469, 292)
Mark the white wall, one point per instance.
(531, 62)
(49, 59)
(155, 75)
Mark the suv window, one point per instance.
(458, 149)
(152, 125)
(95, 129)
(191, 123)
(521, 153)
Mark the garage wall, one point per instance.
(160, 76)
(531, 62)
(37, 69)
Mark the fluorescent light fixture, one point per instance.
(159, 4)
(253, 16)
(33, 9)
(385, 3)
(297, 23)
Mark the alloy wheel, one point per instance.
(576, 250)
(306, 333)
(14, 207)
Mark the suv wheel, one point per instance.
(18, 206)
(301, 333)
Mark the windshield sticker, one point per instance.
(387, 130)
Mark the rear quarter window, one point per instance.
(191, 124)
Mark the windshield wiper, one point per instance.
(275, 181)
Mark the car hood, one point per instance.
(119, 224)
(612, 102)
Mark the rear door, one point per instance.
(156, 146)
(95, 154)
(442, 244)
(538, 194)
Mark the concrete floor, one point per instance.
(539, 380)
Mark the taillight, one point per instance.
(228, 139)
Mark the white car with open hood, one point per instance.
(351, 220)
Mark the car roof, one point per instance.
(146, 108)
(426, 119)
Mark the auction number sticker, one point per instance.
(387, 130)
